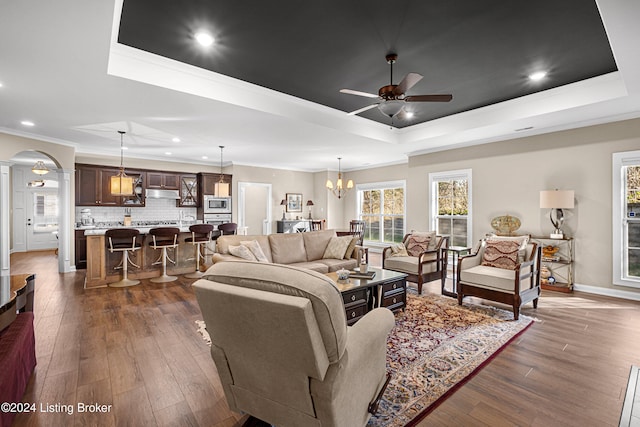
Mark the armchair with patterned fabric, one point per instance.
(421, 255)
(503, 269)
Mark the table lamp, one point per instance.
(309, 203)
(556, 200)
(283, 203)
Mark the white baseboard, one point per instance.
(616, 293)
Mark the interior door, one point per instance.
(254, 210)
(42, 220)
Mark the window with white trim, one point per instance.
(626, 218)
(382, 207)
(450, 213)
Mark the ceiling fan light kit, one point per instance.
(392, 97)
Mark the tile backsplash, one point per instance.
(154, 210)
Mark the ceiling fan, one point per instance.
(392, 97)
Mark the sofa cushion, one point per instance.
(315, 243)
(337, 264)
(409, 264)
(241, 251)
(312, 265)
(352, 246)
(499, 279)
(255, 249)
(501, 254)
(287, 248)
(337, 247)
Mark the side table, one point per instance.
(456, 252)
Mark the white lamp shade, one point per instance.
(121, 185)
(556, 199)
(329, 184)
(221, 189)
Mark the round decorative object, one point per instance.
(505, 225)
(343, 274)
(551, 280)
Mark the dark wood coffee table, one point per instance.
(386, 289)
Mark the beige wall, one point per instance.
(508, 176)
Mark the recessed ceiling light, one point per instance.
(0, 84)
(168, 153)
(176, 139)
(538, 75)
(204, 38)
(27, 123)
(205, 157)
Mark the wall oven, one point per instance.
(217, 205)
(216, 219)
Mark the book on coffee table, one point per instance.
(357, 275)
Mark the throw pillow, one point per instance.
(501, 254)
(431, 235)
(419, 242)
(522, 240)
(255, 249)
(398, 250)
(242, 252)
(337, 247)
(351, 247)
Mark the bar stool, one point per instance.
(123, 240)
(200, 236)
(164, 238)
(228, 228)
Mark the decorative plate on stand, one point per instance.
(505, 225)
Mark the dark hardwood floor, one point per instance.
(137, 350)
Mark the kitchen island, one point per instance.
(101, 264)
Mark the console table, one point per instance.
(293, 225)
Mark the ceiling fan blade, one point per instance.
(368, 107)
(407, 83)
(358, 93)
(429, 98)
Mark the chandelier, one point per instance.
(339, 190)
(121, 184)
(39, 168)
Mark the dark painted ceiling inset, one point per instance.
(479, 51)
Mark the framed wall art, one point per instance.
(294, 202)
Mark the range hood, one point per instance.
(153, 193)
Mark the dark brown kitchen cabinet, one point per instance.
(93, 186)
(208, 182)
(188, 191)
(81, 250)
(163, 180)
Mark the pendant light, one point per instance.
(121, 184)
(221, 188)
(339, 190)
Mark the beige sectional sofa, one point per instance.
(306, 250)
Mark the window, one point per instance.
(381, 206)
(626, 219)
(451, 205)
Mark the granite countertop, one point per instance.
(143, 230)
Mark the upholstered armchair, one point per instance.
(282, 347)
(421, 255)
(503, 269)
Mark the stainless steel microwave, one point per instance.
(217, 205)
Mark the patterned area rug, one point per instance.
(434, 348)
